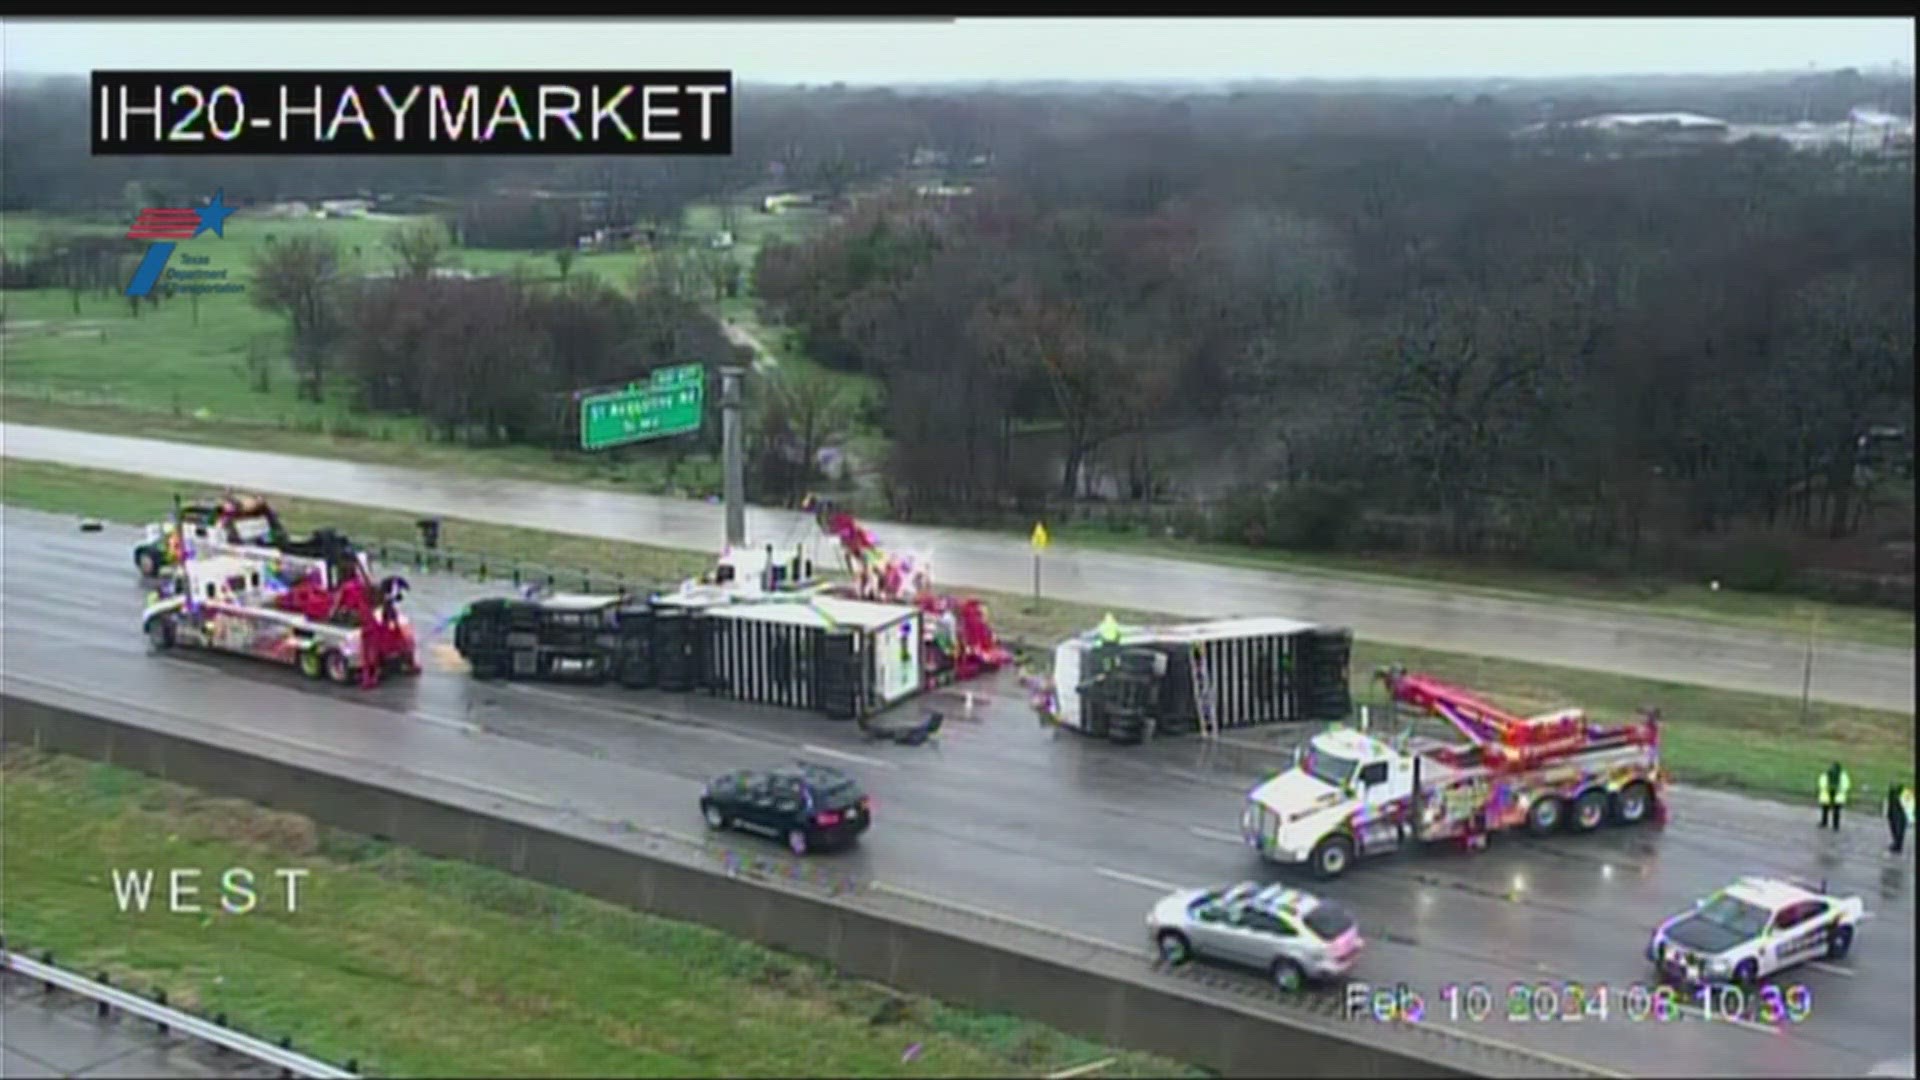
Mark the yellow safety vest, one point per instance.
(1906, 802)
(1828, 797)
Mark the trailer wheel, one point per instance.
(160, 632)
(337, 667)
(147, 561)
(1545, 816)
(1590, 810)
(1631, 805)
(311, 664)
(1332, 856)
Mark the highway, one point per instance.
(1072, 835)
(1565, 634)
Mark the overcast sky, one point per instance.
(926, 51)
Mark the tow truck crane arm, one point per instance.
(880, 575)
(1505, 739)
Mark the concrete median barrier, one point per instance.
(1097, 992)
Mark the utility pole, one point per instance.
(732, 455)
(1806, 679)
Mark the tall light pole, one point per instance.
(733, 463)
(1806, 678)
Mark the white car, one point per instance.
(1753, 928)
(1290, 935)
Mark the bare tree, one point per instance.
(418, 249)
(298, 279)
(718, 270)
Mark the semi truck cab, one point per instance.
(1344, 785)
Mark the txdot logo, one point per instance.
(133, 890)
(165, 227)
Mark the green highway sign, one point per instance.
(671, 402)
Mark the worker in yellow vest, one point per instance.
(1109, 630)
(1899, 814)
(1835, 785)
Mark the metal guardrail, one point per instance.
(287, 1060)
(518, 573)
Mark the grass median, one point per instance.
(426, 967)
(1754, 743)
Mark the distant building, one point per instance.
(1657, 127)
(1866, 131)
(774, 204)
(444, 273)
(943, 191)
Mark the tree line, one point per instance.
(1579, 352)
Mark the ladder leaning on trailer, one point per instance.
(1203, 703)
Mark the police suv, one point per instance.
(1753, 928)
(1289, 934)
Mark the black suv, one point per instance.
(808, 806)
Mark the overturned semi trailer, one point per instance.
(1201, 677)
(844, 658)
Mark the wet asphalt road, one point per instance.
(1074, 835)
(1563, 634)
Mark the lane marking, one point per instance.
(1135, 879)
(489, 789)
(1081, 1070)
(461, 726)
(1056, 933)
(643, 719)
(1736, 1021)
(1220, 835)
(1831, 969)
(858, 759)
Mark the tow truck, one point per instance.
(211, 523)
(1352, 795)
(326, 615)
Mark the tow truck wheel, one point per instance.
(1590, 810)
(1634, 802)
(1839, 941)
(1545, 816)
(1288, 976)
(1173, 946)
(311, 665)
(1331, 856)
(147, 561)
(160, 632)
(338, 669)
